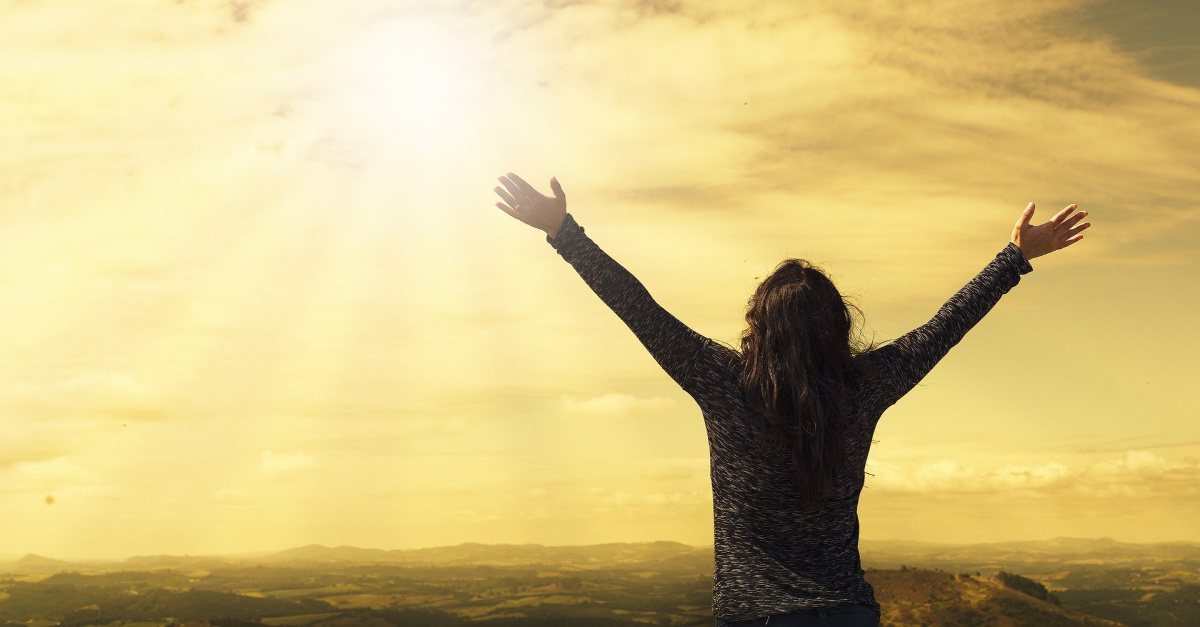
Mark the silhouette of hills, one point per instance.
(35, 564)
(876, 553)
(318, 553)
(33, 560)
(1060, 581)
(669, 555)
(1052, 553)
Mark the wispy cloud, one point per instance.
(277, 215)
(286, 462)
(84, 396)
(55, 479)
(230, 496)
(1138, 472)
(615, 403)
(59, 470)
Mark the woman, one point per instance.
(790, 416)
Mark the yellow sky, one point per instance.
(254, 292)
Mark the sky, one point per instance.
(255, 292)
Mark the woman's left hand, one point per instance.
(532, 207)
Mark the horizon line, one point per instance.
(12, 558)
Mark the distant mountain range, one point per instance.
(1061, 551)
(1050, 583)
(37, 562)
(664, 555)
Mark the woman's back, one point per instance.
(772, 554)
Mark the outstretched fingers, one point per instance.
(1061, 215)
(524, 187)
(512, 188)
(506, 209)
(1078, 229)
(1067, 229)
(1071, 221)
(1072, 235)
(1069, 242)
(508, 198)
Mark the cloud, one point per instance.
(216, 206)
(1142, 473)
(466, 515)
(286, 462)
(687, 469)
(106, 395)
(660, 498)
(24, 450)
(1020, 476)
(1135, 463)
(615, 403)
(416, 427)
(650, 505)
(928, 107)
(228, 496)
(58, 477)
(59, 470)
(240, 11)
(1138, 472)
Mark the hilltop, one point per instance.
(914, 597)
(1062, 581)
(507, 586)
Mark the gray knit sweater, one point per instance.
(771, 555)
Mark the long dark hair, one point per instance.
(798, 354)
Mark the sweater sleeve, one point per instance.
(909, 358)
(674, 345)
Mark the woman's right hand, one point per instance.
(1047, 237)
(533, 207)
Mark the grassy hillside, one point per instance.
(915, 597)
(658, 592)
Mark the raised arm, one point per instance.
(909, 358)
(671, 343)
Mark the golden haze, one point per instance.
(256, 294)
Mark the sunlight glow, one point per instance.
(255, 292)
(415, 84)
